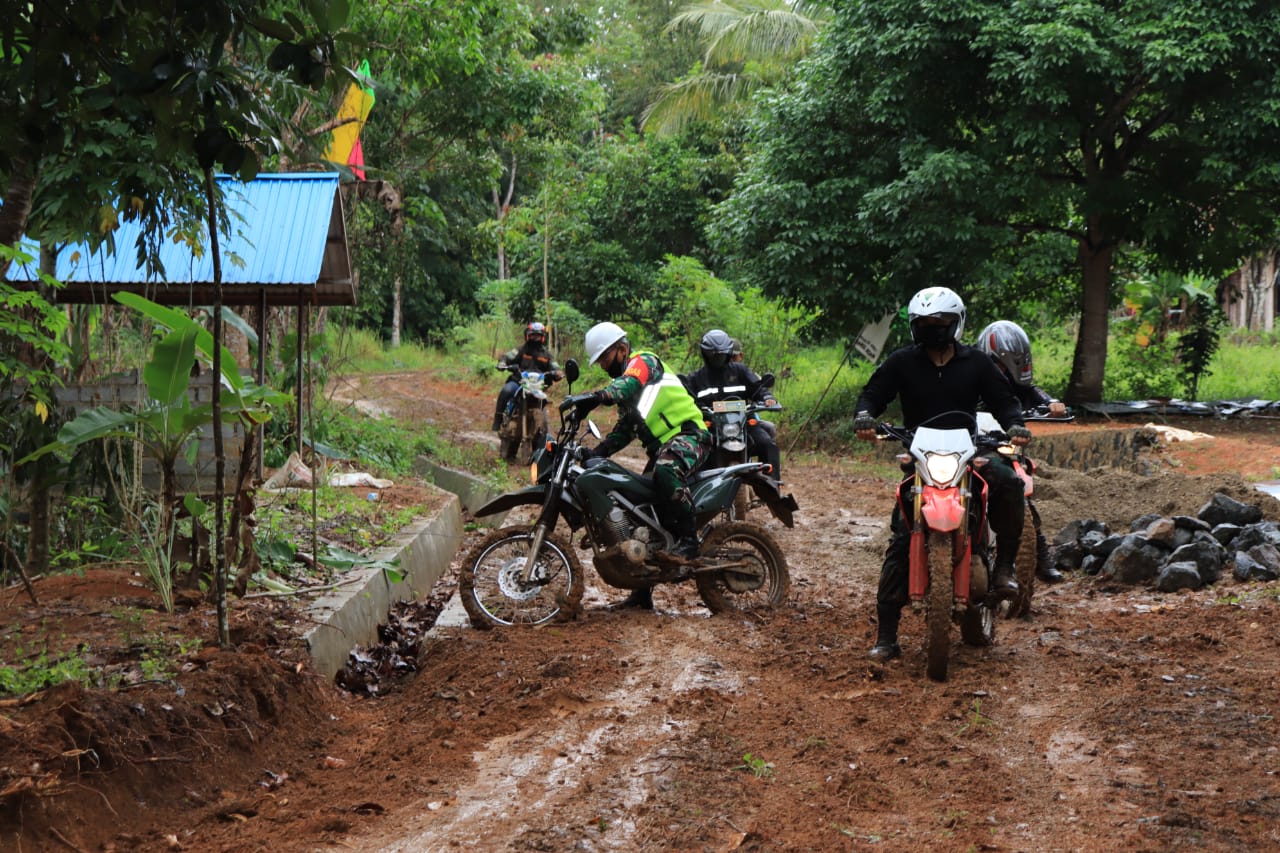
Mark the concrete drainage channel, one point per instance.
(349, 615)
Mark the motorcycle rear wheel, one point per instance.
(937, 617)
(1025, 564)
(729, 591)
(978, 625)
(490, 585)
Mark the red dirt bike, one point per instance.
(943, 501)
(1033, 549)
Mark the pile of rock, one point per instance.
(1182, 552)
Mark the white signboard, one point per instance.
(870, 340)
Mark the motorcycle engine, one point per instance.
(617, 527)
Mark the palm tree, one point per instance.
(750, 44)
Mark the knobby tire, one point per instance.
(740, 541)
(490, 570)
(938, 605)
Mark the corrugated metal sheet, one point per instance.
(287, 233)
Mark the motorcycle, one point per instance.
(530, 574)
(951, 553)
(524, 420)
(1033, 549)
(729, 421)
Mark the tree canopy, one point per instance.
(923, 143)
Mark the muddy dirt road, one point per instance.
(1115, 718)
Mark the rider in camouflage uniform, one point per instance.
(653, 406)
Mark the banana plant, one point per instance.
(168, 423)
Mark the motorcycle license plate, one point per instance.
(720, 406)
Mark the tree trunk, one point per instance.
(1089, 364)
(219, 452)
(396, 317)
(17, 204)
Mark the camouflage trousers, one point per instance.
(674, 463)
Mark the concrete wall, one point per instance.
(126, 391)
(349, 616)
(1102, 448)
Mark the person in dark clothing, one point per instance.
(531, 355)
(654, 407)
(721, 378)
(1010, 348)
(934, 376)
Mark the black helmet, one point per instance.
(716, 347)
(535, 330)
(1008, 344)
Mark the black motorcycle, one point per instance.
(730, 420)
(530, 574)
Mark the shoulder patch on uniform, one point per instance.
(637, 368)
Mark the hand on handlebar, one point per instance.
(864, 426)
(581, 404)
(1019, 436)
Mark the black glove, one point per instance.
(581, 403)
(863, 421)
(1019, 435)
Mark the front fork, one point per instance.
(546, 522)
(949, 507)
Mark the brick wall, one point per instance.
(125, 390)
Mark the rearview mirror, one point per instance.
(571, 371)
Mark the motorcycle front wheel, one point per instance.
(511, 436)
(937, 616)
(761, 581)
(491, 580)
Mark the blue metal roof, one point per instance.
(287, 232)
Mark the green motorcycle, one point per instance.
(530, 574)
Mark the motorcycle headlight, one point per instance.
(731, 431)
(942, 467)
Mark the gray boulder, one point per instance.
(1176, 576)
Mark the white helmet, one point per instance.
(936, 302)
(600, 337)
(1007, 343)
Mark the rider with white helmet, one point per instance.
(653, 406)
(942, 381)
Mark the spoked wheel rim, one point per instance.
(762, 581)
(493, 586)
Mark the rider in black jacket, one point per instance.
(935, 375)
(531, 355)
(721, 378)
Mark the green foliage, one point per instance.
(39, 673)
(756, 765)
(123, 113)
(920, 144)
(28, 321)
(381, 446)
(1198, 344)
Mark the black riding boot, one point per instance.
(886, 647)
(639, 599)
(1003, 582)
(1046, 571)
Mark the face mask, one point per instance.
(934, 337)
